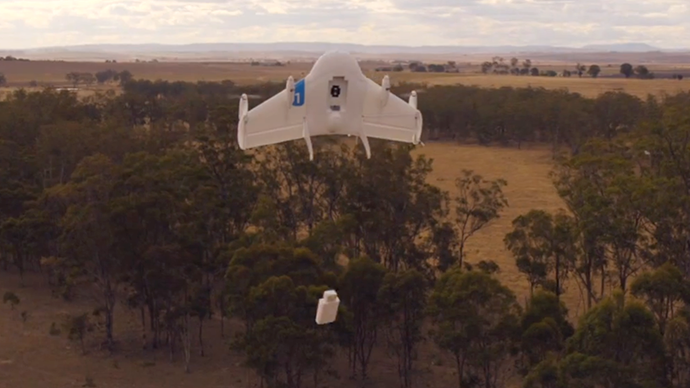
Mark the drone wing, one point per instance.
(276, 120)
(387, 116)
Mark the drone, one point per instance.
(334, 98)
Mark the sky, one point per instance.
(42, 23)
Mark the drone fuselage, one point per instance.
(334, 94)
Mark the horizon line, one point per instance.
(585, 46)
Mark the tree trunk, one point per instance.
(201, 337)
(155, 327)
(142, 310)
(171, 343)
(221, 305)
(460, 367)
(109, 314)
(186, 342)
(558, 277)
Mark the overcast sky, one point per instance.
(40, 23)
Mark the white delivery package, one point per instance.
(328, 307)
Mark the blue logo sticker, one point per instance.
(299, 94)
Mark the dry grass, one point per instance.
(20, 74)
(529, 187)
(31, 358)
(588, 87)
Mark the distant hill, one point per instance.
(325, 46)
(622, 47)
(310, 50)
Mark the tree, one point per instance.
(643, 72)
(606, 177)
(437, 68)
(73, 77)
(360, 286)
(77, 327)
(499, 66)
(616, 113)
(527, 64)
(403, 295)
(106, 75)
(478, 203)
(87, 240)
(676, 335)
(274, 289)
(580, 69)
(476, 321)
(543, 244)
(594, 71)
(514, 63)
(125, 76)
(391, 204)
(616, 344)
(88, 78)
(626, 69)
(22, 237)
(625, 233)
(545, 329)
(662, 289)
(62, 146)
(664, 135)
(620, 336)
(309, 197)
(605, 196)
(591, 261)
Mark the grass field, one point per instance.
(31, 358)
(20, 74)
(529, 187)
(587, 86)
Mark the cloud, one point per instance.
(37, 23)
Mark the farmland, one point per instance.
(43, 73)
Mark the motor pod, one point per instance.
(244, 106)
(328, 308)
(290, 88)
(385, 90)
(413, 99)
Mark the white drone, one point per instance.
(335, 98)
